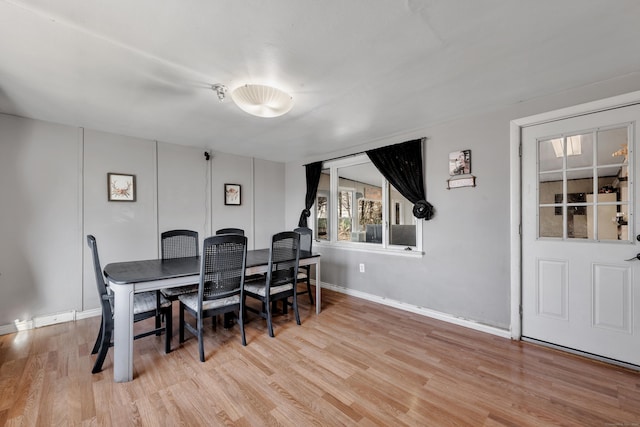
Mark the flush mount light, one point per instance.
(262, 101)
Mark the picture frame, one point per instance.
(232, 194)
(121, 187)
(460, 162)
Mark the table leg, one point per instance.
(123, 333)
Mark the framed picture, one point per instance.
(232, 194)
(121, 187)
(460, 162)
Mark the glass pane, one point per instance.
(612, 146)
(622, 217)
(402, 230)
(608, 181)
(608, 228)
(322, 206)
(550, 185)
(577, 221)
(580, 181)
(345, 214)
(360, 204)
(579, 150)
(550, 154)
(550, 222)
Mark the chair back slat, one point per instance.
(283, 258)
(222, 266)
(179, 244)
(306, 238)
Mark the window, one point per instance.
(368, 212)
(583, 185)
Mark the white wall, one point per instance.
(54, 192)
(465, 272)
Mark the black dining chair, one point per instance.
(280, 281)
(304, 272)
(230, 230)
(179, 244)
(222, 270)
(145, 305)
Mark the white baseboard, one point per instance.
(52, 319)
(422, 311)
(38, 322)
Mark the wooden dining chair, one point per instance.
(304, 272)
(145, 305)
(220, 290)
(280, 281)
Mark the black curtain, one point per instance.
(401, 165)
(313, 171)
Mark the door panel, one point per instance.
(578, 227)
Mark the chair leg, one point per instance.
(295, 307)
(158, 315)
(269, 325)
(168, 329)
(200, 338)
(181, 327)
(309, 290)
(241, 324)
(96, 346)
(107, 332)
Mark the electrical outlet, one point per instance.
(361, 268)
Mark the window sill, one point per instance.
(370, 248)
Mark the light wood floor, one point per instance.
(357, 363)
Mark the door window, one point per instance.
(583, 185)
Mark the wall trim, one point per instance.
(421, 310)
(51, 319)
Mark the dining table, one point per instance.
(129, 277)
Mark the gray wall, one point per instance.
(54, 192)
(40, 222)
(465, 271)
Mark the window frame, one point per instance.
(332, 214)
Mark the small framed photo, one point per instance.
(460, 162)
(232, 194)
(121, 187)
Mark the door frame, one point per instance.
(515, 184)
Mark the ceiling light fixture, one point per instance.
(262, 101)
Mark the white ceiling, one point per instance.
(358, 70)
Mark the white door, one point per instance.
(579, 225)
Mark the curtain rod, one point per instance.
(423, 139)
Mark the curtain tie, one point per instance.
(423, 209)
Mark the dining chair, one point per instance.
(230, 230)
(145, 305)
(179, 244)
(280, 281)
(304, 272)
(220, 289)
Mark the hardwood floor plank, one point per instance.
(357, 363)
